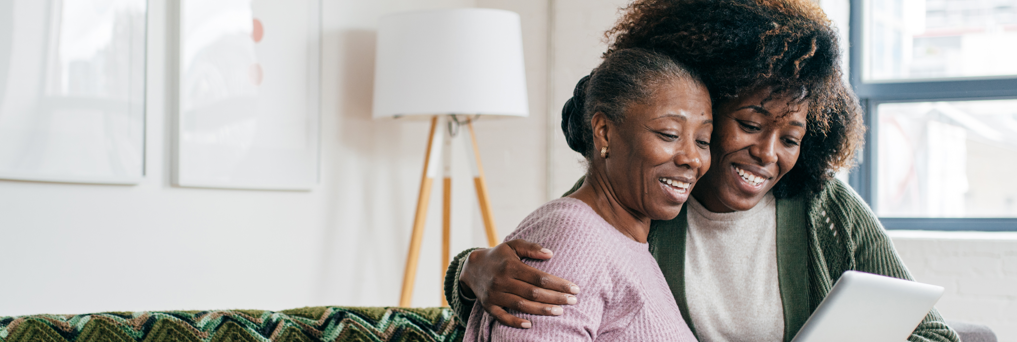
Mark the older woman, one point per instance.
(768, 230)
(643, 123)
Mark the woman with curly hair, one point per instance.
(768, 230)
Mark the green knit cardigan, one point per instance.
(819, 236)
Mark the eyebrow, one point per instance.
(763, 111)
(665, 116)
(683, 118)
(759, 109)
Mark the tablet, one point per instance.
(869, 307)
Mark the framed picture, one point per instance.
(248, 94)
(72, 90)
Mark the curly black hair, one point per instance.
(741, 46)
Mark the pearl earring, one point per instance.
(603, 152)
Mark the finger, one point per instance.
(536, 294)
(525, 306)
(545, 280)
(526, 249)
(506, 318)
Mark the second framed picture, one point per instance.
(248, 111)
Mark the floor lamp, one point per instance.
(453, 66)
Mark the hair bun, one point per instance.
(572, 115)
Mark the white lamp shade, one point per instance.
(453, 61)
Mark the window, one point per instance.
(938, 82)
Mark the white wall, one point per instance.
(577, 37)
(978, 270)
(71, 248)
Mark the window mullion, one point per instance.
(939, 90)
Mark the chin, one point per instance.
(666, 214)
(741, 203)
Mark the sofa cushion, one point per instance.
(296, 325)
(969, 332)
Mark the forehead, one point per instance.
(675, 95)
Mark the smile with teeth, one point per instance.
(749, 177)
(678, 185)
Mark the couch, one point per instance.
(972, 332)
(355, 324)
(296, 325)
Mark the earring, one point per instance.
(603, 152)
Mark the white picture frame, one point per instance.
(72, 91)
(249, 89)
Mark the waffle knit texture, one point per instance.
(624, 295)
(819, 236)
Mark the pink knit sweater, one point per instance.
(623, 297)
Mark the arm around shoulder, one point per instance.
(578, 322)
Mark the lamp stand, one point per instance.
(435, 149)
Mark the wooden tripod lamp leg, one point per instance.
(446, 231)
(446, 215)
(434, 146)
(482, 197)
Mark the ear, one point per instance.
(601, 131)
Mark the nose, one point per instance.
(688, 155)
(765, 150)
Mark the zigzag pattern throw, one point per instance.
(312, 324)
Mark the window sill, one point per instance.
(951, 235)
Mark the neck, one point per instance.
(598, 193)
(704, 193)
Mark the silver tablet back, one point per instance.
(869, 307)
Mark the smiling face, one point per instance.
(756, 142)
(659, 151)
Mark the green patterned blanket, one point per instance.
(296, 325)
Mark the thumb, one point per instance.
(526, 249)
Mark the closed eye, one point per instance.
(667, 137)
(748, 126)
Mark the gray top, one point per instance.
(731, 273)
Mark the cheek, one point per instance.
(788, 159)
(706, 158)
(728, 138)
(640, 155)
(652, 150)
